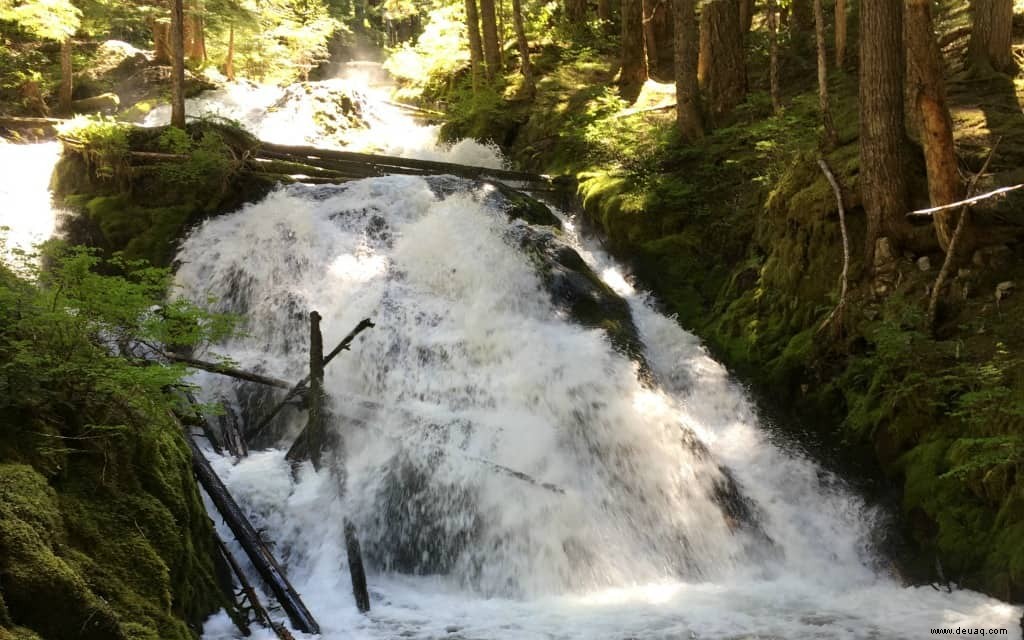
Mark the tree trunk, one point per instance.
(476, 50)
(229, 66)
(316, 431)
(524, 47)
(882, 132)
(492, 51)
(650, 39)
(178, 65)
(634, 72)
(991, 46)
(746, 15)
(197, 41)
(604, 13)
(721, 70)
(773, 55)
(831, 138)
(66, 76)
(576, 11)
(841, 30)
(928, 95)
(801, 23)
(687, 44)
(162, 49)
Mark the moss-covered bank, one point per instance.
(103, 533)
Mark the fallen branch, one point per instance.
(954, 243)
(250, 595)
(355, 568)
(225, 370)
(837, 312)
(968, 202)
(300, 386)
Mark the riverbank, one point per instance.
(738, 236)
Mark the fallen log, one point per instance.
(315, 430)
(232, 372)
(355, 568)
(394, 164)
(259, 554)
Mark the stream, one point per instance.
(677, 515)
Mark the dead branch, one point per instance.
(954, 243)
(225, 370)
(966, 203)
(300, 386)
(837, 312)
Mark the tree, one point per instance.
(801, 23)
(177, 64)
(604, 13)
(51, 20)
(721, 67)
(649, 8)
(476, 51)
(492, 51)
(685, 34)
(746, 15)
(882, 133)
(831, 138)
(991, 45)
(634, 71)
(927, 92)
(773, 54)
(841, 31)
(524, 47)
(576, 11)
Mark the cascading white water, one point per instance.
(472, 371)
(25, 203)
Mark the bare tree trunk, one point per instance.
(634, 71)
(687, 45)
(928, 95)
(317, 398)
(746, 15)
(197, 41)
(801, 23)
(524, 47)
(576, 11)
(229, 66)
(650, 39)
(162, 49)
(66, 76)
(476, 50)
(831, 138)
(841, 31)
(489, 24)
(604, 12)
(773, 54)
(991, 45)
(721, 68)
(178, 65)
(882, 132)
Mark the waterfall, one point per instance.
(510, 472)
(26, 210)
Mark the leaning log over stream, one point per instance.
(259, 554)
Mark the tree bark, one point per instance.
(928, 97)
(66, 76)
(634, 71)
(476, 49)
(721, 68)
(801, 23)
(773, 55)
(831, 138)
(492, 51)
(316, 430)
(650, 39)
(746, 15)
(229, 66)
(197, 43)
(841, 32)
(991, 45)
(604, 13)
(576, 11)
(162, 49)
(882, 132)
(685, 34)
(524, 47)
(178, 65)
